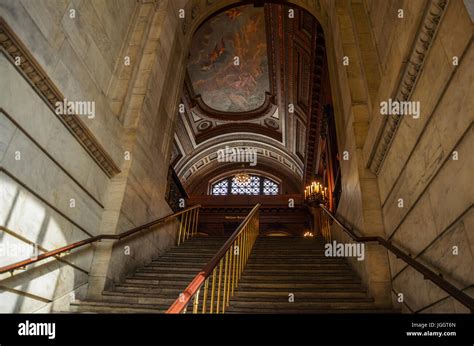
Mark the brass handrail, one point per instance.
(186, 231)
(449, 288)
(231, 258)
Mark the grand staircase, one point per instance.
(292, 275)
(283, 275)
(153, 288)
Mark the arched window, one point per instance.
(257, 185)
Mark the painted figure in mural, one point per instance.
(219, 49)
(228, 62)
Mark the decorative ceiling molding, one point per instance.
(412, 70)
(203, 123)
(238, 127)
(42, 84)
(202, 159)
(267, 108)
(291, 50)
(239, 138)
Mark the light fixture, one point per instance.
(308, 234)
(242, 178)
(316, 193)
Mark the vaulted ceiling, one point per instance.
(254, 79)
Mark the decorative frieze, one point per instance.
(42, 84)
(411, 73)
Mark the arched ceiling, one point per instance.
(253, 80)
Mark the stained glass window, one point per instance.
(255, 186)
(248, 188)
(270, 187)
(220, 188)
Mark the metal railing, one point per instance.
(326, 218)
(219, 278)
(187, 229)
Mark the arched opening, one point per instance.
(256, 78)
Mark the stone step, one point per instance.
(296, 266)
(177, 282)
(265, 302)
(302, 261)
(297, 280)
(177, 260)
(268, 295)
(115, 307)
(289, 247)
(294, 249)
(204, 240)
(158, 276)
(306, 257)
(192, 251)
(169, 266)
(300, 306)
(324, 277)
(285, 252)
(170, 270)
(288, 239)
(147, 289)
(293, 311)
(304, 272)
(293, 287)
(288, 243)
(136, 298)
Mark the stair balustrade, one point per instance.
(329, 220)
(220, 277)
(187, 228)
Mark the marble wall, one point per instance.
(43, 168)
(83, 55)
(419, 166)
(422, 169)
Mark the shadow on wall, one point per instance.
(45, 285)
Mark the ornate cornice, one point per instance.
(42, 84)
(314, 113)
(206, 159)
(411, 73)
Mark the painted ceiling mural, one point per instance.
(224, 85)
